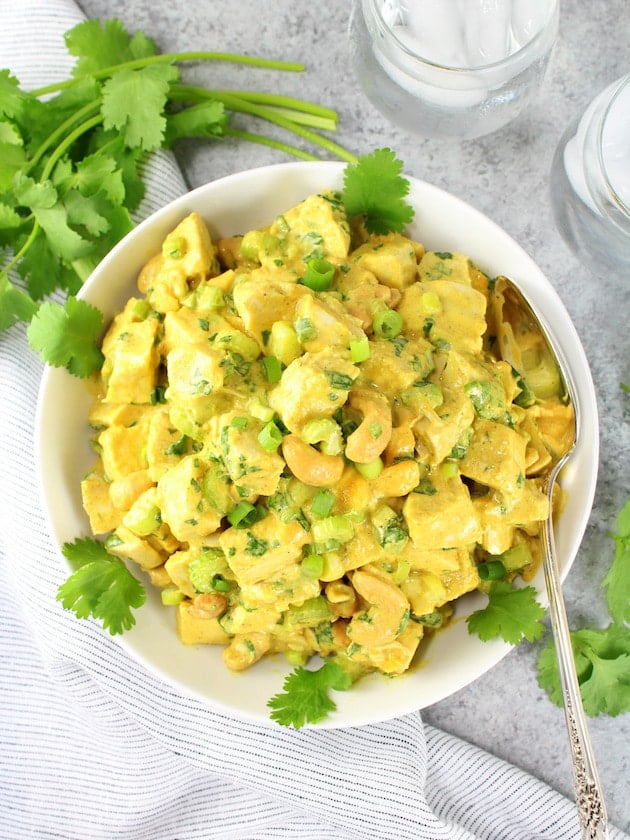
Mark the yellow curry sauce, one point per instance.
(307, 439)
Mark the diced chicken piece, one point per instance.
(445, 312)
(439, 430)
(123, 448)
(194, 370)
(394, 365)
(265, 551)
(182, 503)
(97, 503)
(315, 385)
(391, 258)
(332, 324)
(496, 458)
(251, 467)
(316, 224)
(131, 360)
(260, 302)
(444, 519)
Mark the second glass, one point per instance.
(452, 68)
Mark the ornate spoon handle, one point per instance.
(589, 799)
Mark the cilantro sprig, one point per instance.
(511, 613)
(602, 655)
(101, 586)
(305, 696)
(375, 188)
(72, 156)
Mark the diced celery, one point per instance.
(311, 613)
(171, 596)
(283, 342)
(370, 470)
(338, 528)
(238, 342)
(324, 431)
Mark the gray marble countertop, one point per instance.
(504, 175)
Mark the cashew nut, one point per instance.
(398, 479)
(373, 434)
(385, 618)
(309, 465)
(342, 598)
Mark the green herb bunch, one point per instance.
(72, 157)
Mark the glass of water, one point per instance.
(452, 68)
(590, 183)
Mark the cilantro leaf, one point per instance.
(100, 45)
(602, 663)
(101, 587)
(305, 697)
(617, 580)
(134, 101)
(512, 614)
(208, 119)
(11, 97)
(15, 305)
(375, 189)
(66, 336)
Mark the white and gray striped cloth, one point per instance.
(90, 750)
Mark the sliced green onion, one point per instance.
(240, 515)
(492, 570)
(387, 323)
(273, 368)
(319, 274)
(270, 437)
(239, 422)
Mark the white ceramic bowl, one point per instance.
(233, 205)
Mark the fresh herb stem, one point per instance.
(175, 58)
(280, 101)
(234, 103)
(67, 142)
(263, 140)
(55, 137)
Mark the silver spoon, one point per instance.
(512, 308)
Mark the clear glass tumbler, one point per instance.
(452, 68)
(590, 183)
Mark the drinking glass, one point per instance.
(590, 183)
(452, 68)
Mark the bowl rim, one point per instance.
(370, 707)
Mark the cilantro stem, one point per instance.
(172, 58)
(289, 102)
(27, 244)
(65, 144)
(59, 132)
(268, 141)
(234, 103)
